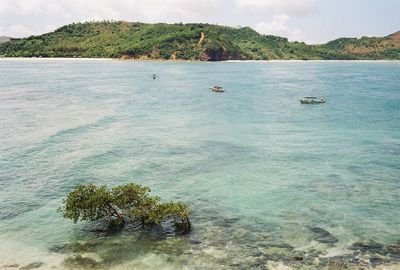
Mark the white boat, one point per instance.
(217, 89)
(312, 100)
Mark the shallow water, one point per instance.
(260, 171)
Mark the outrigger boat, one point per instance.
(312, 100)
(218, 89)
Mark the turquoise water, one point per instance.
(259, 170)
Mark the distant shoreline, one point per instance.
(54, 58)
(191, 41)
(188, 61)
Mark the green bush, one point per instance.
(121, 204)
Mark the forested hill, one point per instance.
(204, 42)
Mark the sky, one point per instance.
(311, 21)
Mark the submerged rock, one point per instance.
(286, 254)
(194, 241)
(282, 245)
(323, 236)
(368, 247)
(336, 264)
(376, 261)
(63, 248)
(82, 262)
(298, 257)
(394, 250)
(89, 246)
(32, 266)
(11, 265)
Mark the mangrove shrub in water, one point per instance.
(120, 204)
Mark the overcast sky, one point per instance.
(312, 21)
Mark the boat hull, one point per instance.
(312, 102)
(217, 90)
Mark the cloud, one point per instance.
(20, 18)
(19, 7)
(20, 30)
(279, 27)
(25, 17)
(115, 9)
(292, 7)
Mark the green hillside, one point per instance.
(367, 47)
(204, 42)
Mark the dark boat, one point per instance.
(217, 89)
(312, 100)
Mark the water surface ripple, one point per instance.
(271, 182)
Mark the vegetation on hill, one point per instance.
(206, 42)
(120, 204)
(367, 47)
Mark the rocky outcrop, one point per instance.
(220, 54)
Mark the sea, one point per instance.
(272, 183)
